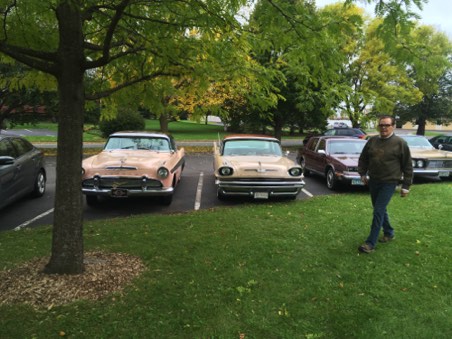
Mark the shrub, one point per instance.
(126, 120)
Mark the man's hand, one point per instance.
(364, 179)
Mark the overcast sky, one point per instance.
(437, 13)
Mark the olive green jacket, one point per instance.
(387, 160)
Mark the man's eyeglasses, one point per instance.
(385, 125)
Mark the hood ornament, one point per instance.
(260, 169)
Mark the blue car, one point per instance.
(22, 170)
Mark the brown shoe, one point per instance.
(366, 248)
(386, 238)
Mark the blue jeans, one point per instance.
(380, 194)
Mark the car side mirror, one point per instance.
(5, 160)
(287, 153)
(440, 147)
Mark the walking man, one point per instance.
(384, 162)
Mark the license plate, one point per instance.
(260, 195)
(444, 174)
(357, 182)
(119, 193)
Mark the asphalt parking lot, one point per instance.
(196, 191)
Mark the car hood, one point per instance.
(349, 160)
(115, 159)
(429, 153)
(262, 165)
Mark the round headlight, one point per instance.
(225, 171)
(162, 172)
(420, 163)
(295, 171)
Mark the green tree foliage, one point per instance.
(375, 82)
(121, 43)
(290, 39)
(22, 98)
(427, 56)
(125, 120)
(116, 44)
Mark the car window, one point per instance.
(155, 144)
(329, 132)
(322, 145)
(345, 147)
(251, 147)
(313, 144)
(21, 146)
(418, 142)
(7, 149)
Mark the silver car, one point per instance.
(22, 170)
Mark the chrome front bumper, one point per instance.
(123, 193)
(250, 188)
(433, 172)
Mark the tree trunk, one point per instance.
(278, 125)
(421, 126)
(164, 123)
(67, 241)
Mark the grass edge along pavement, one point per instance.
(264, 270)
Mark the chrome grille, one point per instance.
(439, 164)
(127, 183)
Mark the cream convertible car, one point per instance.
(134, 164)
(254, 166)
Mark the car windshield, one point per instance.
(138, 143)
(345, 146)
(252, 147)
(419, 142)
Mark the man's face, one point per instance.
(385, 127)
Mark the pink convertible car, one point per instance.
(134, 164)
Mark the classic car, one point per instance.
(333, 157)
(22, 170)
(254, 166)
(134, 164)
(442, 142)
(427, 160)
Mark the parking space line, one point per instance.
(309, 194)
(199, 191)
(26, 223)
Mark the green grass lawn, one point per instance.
(181, 130)
(265, 270)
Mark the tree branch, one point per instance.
(41, 61)
(129, 83)
(107, 43)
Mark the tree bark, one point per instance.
(421, 121)
(163, 119)
(67, 241)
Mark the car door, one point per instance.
(26, 162)
(309, 152)
(318, 158)
(447, 146)
(8, 174)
